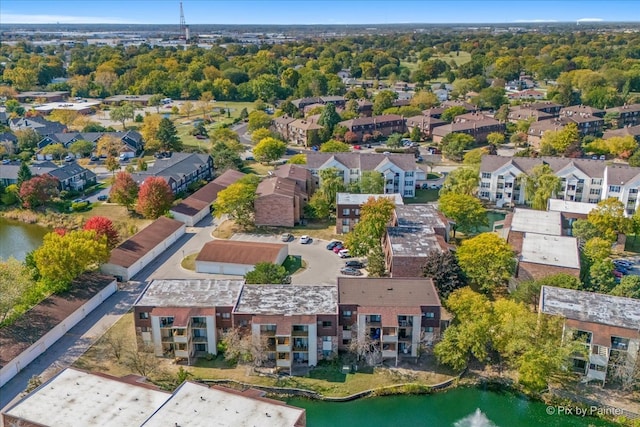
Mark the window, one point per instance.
(345, 211)
(614, 188)
(345, 221)
(408, 174)
(500, 176)
(356, 212)
(596, 181)
(498, 195)
(326, 323)
(145, 329)
(500, 186)
(428, 329)
(326, 339)
(486, 175)
(408, 193)
(484, 194)
(485, 185)
(633, 190)
(408, 184)
(226, 315)
(346, 313)
(429, 315)
(144, 315)
(595, 191)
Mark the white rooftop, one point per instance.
(359, 199)
(75, 106)
(288, 300)
(190, 293)
(529, 220)
(559, 251)
(196, 405)
(78, 399)
(591, 307)
(558, 205)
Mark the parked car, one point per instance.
(333, 244)
(69, 159)
(419, 159)
(344, 253)
(201, 137)
(305, 239)
(285, 237)
(625, 263)
(338, 248)
(6, 161)
(357, 147)
(78, 201)
(348, 271)
(617, 273)
(354, 264)
(94, 158)
(103, 197)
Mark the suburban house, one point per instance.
(197, 206)
(185, 318)
(9, 171)
(180, 170)
(583, 180)
(628, 115)
(41, 126)
(426, 124)
(279, 202)
(416, 231)
(391, 319)
(300, 131)
(131, 256)
(385, 124)
(628, 130)
(477, 125)
(8, 137)
(55, 96)
(348, 208)
(297, 324)
(607, 324)
(539, 243)
(72, 176)
(399, 170)
(131, 140)
(76, 397)
(237, 257)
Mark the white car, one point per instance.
(305, 239)
(344, 253)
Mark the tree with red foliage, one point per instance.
(60, 231)
(38, 190)
(350, 137)
(155, 197)
(124, 190)
(103, 227)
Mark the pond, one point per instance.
(462, 407)
(17, 239)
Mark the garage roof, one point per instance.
(235, 252)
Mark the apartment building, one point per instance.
(477, 125)
(628, 115)
(399, 170)
(583, 180)
(608, 326)
(185, 318)
(348, 208)
(296, 324)
(385, 124)
(425, 124)
(388, 319)
(179, 170)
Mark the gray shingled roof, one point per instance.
(362, 161)
(70, 170)
(620, 175)
(387, 292)
(593, 168)
(176, 166)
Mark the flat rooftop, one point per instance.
(413, 241)
(76, 398)
(567, 206)
(288, 300)
(196, 405)
(191, 293)
(359, 199)
(75, 106)
(419, 216)
(529, 220)
(559, 251)
(591, 307)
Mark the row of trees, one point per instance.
(152, 199)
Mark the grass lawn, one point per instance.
(257, 168)
(632, 244)
(189, 262)
(433, 175)
(412, 66)
(126, 224)
(460, 59)
(317, 229)
(423, 196)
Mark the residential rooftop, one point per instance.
(387, 292)
(75, 398)
(360, 199)
(197, 405)
(288, 299)
(239, 252)
(591, 307)
(413, 241)
(559, 251)
(190, 293)
(533, 221)
(566, 206)
(416, 215)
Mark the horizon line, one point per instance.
(524, 21)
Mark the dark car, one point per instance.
(354, 264)
(348, 271)
(333, 244)
(337, 248)
(103, 197)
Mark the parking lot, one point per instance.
(322, 265)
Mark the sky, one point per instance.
(315, 12)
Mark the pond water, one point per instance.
(462, 407)
(17, 239)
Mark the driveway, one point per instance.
(323, 266)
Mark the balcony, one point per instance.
(300, 332)
(267, 332)
(389, 338)
(181, 338)
(283, 344)
(373, 320)
(199, 325)
(199, 339)
(346, 335)
(283, 363)
(389, 354)
(181, 353)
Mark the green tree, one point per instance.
(156, 101)
(168, 136)
(557, 142)
(229, 138)
(375, 215)
(634, 160)
(225, 158)
(27, 139)
(488, 261)
(260, 134)
(597, 249)
(81, 148)
(333, 146)
(584, 230)
(608, 218)
(331, 183)
(444, 270)
(298, 159)
(540, 184)
(424, 100)
(122, 113)
(474, 157)
(318, 207)
(24, 173)
(14, 284)
(383, 100)
(452, 112)
(467, 211)
(61, 259)
(600, 277)
(269, 150)
(124, 190)
(266, 273)
(259, 119)
(495, 138)
(329, 118)
(628, 287)
(154, 198)
(454, 144)
(236, 201)
(463, 180)
(376, 266)
(416, 134)
(111, 164)
(528, 291)
(394, 140)
(56, 151)
(371, 182)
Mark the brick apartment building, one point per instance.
(348, 208)
(385, 124)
